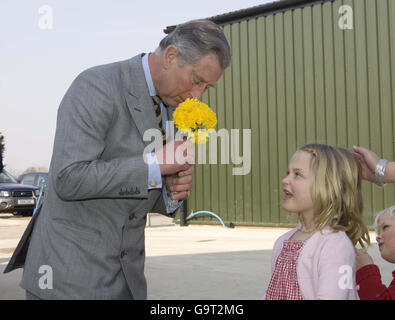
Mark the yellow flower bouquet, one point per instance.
(196, 119)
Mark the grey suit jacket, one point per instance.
(90, 230)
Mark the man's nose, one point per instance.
(197, 91)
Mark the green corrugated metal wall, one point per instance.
(296, 77)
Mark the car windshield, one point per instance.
(6, 178)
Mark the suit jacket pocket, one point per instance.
(75, 232)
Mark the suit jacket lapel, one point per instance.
(138, 99)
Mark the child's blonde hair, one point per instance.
(390, 211)
(336, 191)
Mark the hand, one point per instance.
(181, 183)
(368, 160)
(175, 156)
(363, 258)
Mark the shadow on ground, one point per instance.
(230, 275)
(238, 275)
(222, 275)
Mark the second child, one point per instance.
(368, 274)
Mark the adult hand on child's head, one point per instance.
(368, 160)
(363, 258)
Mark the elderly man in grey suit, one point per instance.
(88, 238)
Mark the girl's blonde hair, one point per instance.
(390, 211)
(336, 191)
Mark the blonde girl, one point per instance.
(368, 273)
(316, 260)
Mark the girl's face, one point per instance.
(297, 185)
(386, 236)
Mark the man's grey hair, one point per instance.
(195, 39)
(390, 211)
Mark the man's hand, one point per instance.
(181, 183)
(363, 258)
(175, 156)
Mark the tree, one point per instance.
(2, 148)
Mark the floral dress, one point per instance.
(284, 281)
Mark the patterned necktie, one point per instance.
(158, 113)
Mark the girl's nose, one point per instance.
(285, 181)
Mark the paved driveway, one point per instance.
(194, 262)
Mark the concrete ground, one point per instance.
(194, 262)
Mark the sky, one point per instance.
(44, 45)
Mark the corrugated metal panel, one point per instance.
(259, 10)
(296, 77)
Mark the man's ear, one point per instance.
(170, 56)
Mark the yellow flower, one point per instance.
(196, 119)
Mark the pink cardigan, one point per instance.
(326, 266)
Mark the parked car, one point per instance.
(33, 178)
(16, 198)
